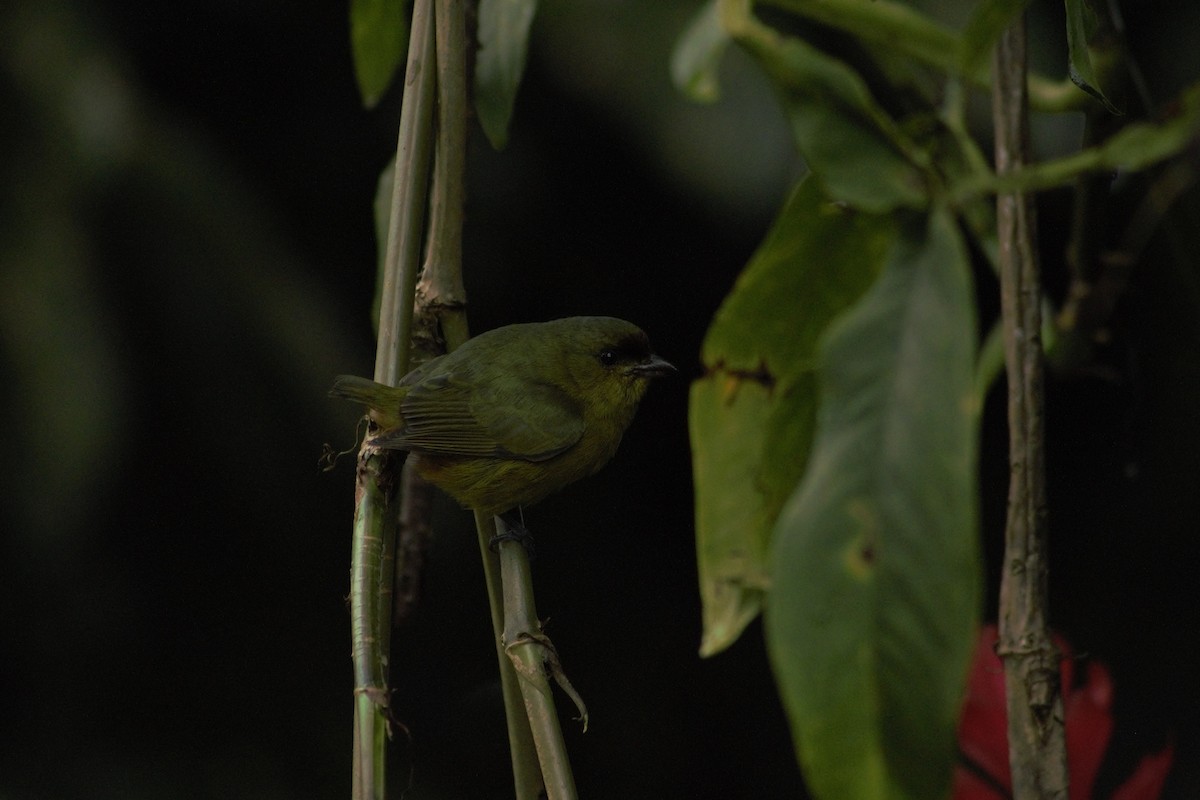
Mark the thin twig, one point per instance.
(1037, 749)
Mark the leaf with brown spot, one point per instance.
(875, 572)
(751, 415)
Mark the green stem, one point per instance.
(441, 316)
(527, 773)
(373, 543)
(409, 199)
(371, 530)
(531, 654)
(442, 281)
(441, 295)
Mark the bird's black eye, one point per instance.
(608, 357)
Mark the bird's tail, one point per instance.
(384, 401)
(360, 390)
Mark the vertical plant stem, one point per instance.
(527, 772)
(373, 544)
(442, 293)
(374, 494)
(1037, 747)
(414, 532)
(410, 192)
(531, 655)
(440, 297)
(441, 316)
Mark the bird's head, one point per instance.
(609, 361)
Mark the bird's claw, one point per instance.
(513, 532)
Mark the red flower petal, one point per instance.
(969, 786)
(1089, 727)
(983, 727)
(983, 730)
(1148, 779)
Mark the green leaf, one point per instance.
(875, 567)
(849, 141)
(1081, 24)
(503, 42)
(378, 40)
(751, 415)
(987, 22)
(698, 53)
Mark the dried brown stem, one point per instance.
(1037, 745)
(414, 532)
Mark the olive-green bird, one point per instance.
(518, 412)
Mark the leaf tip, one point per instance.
(697, 56)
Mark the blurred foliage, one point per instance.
(378, 39)
(162, 341)
(869, 578)
(503, 41)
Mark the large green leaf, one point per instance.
(848, 140)
(875, 571)
(752, 413)
(503, 43)
(1081, 25)
(378, 40)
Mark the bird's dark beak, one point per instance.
(653, 367)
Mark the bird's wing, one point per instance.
(447, 415)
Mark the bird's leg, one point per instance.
(513, 530)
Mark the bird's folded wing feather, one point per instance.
(451, 417)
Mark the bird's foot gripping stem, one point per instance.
(512, 530)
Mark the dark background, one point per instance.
(187, 258)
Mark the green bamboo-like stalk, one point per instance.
(436, 309)
(441, 309)
(531, 655)
(441, 289)
(406, 223)
(373, 547)
(527, 771)
(371, 530)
